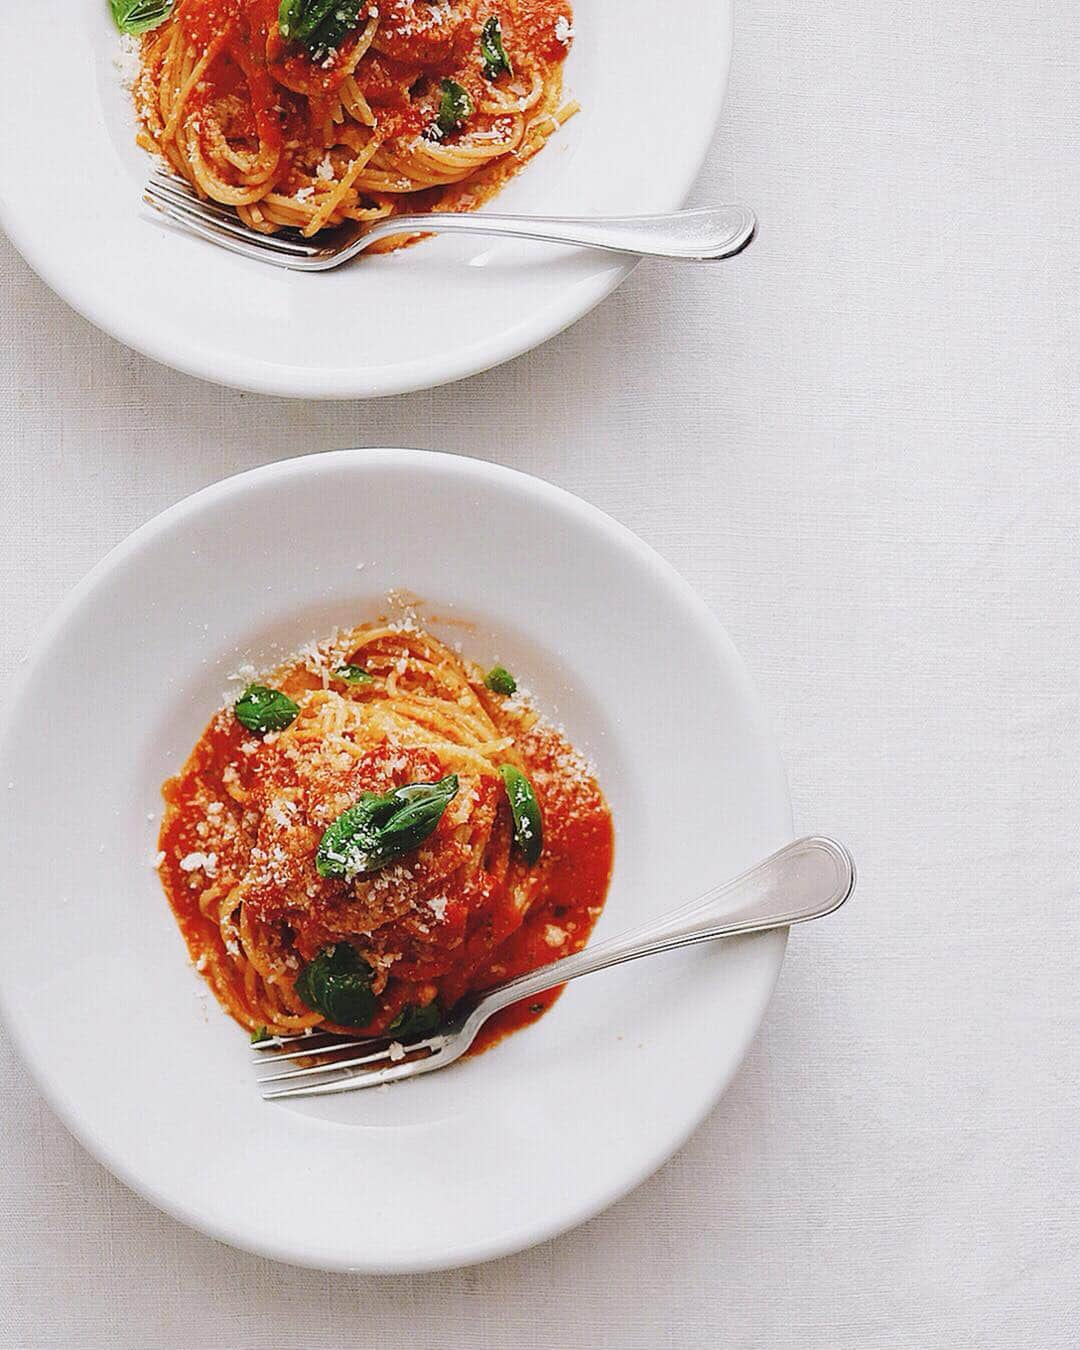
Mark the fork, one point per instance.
(690, 236)
(805, 880)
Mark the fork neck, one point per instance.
(805, 880)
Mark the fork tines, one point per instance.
(176, 199)
(321, 1064)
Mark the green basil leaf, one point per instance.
(290, 16)
(414, 1021)
(377, 829)
(259, 1035)
(139, 16)
(261, 709)
(500, 681)
(337, 983)
(528, 822)
(353, 675)
(351, 840)
(343, 19)
(319, 25)
(496, 61)
(454, 107)
(313, 14)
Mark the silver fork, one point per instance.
(690, 236)
(805, 880)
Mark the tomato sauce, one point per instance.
(574, 893)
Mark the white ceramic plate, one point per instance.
(70, 189)
(503, 1150)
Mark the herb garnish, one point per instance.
(337, 983)
(139, 16)
(259, 1035)
(414, 1021)
(496, 61)
(353, 675)
(319, 25)
(500, 681)
(454, 107)
(261, 709)
(528, 822)
(378, 829)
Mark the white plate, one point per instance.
(70, 188)
(506, 1149)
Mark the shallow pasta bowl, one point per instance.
(507, 1148)
(71, 182)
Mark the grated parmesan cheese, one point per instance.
(204, 862)
(128, 62)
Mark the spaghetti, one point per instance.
(423, 105)
(253, 861)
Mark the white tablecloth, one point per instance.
(860, 442)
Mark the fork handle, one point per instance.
(805, 880)
(697, 236)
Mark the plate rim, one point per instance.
(285, 380)
(773, 945)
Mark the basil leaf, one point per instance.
(319, 25)
(290, 16)
(496, 61)
(414, 1021)
(353, 675)
(337, 983)
(454, 106)
(528, 822)
(259, 1035)
(343, 19)
(500, 681)
(375, 830)
(139, 16)
(351, 841)
(313, 14)
(261, 709)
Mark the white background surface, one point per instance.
(859, 443)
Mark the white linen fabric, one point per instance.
(859, 442)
